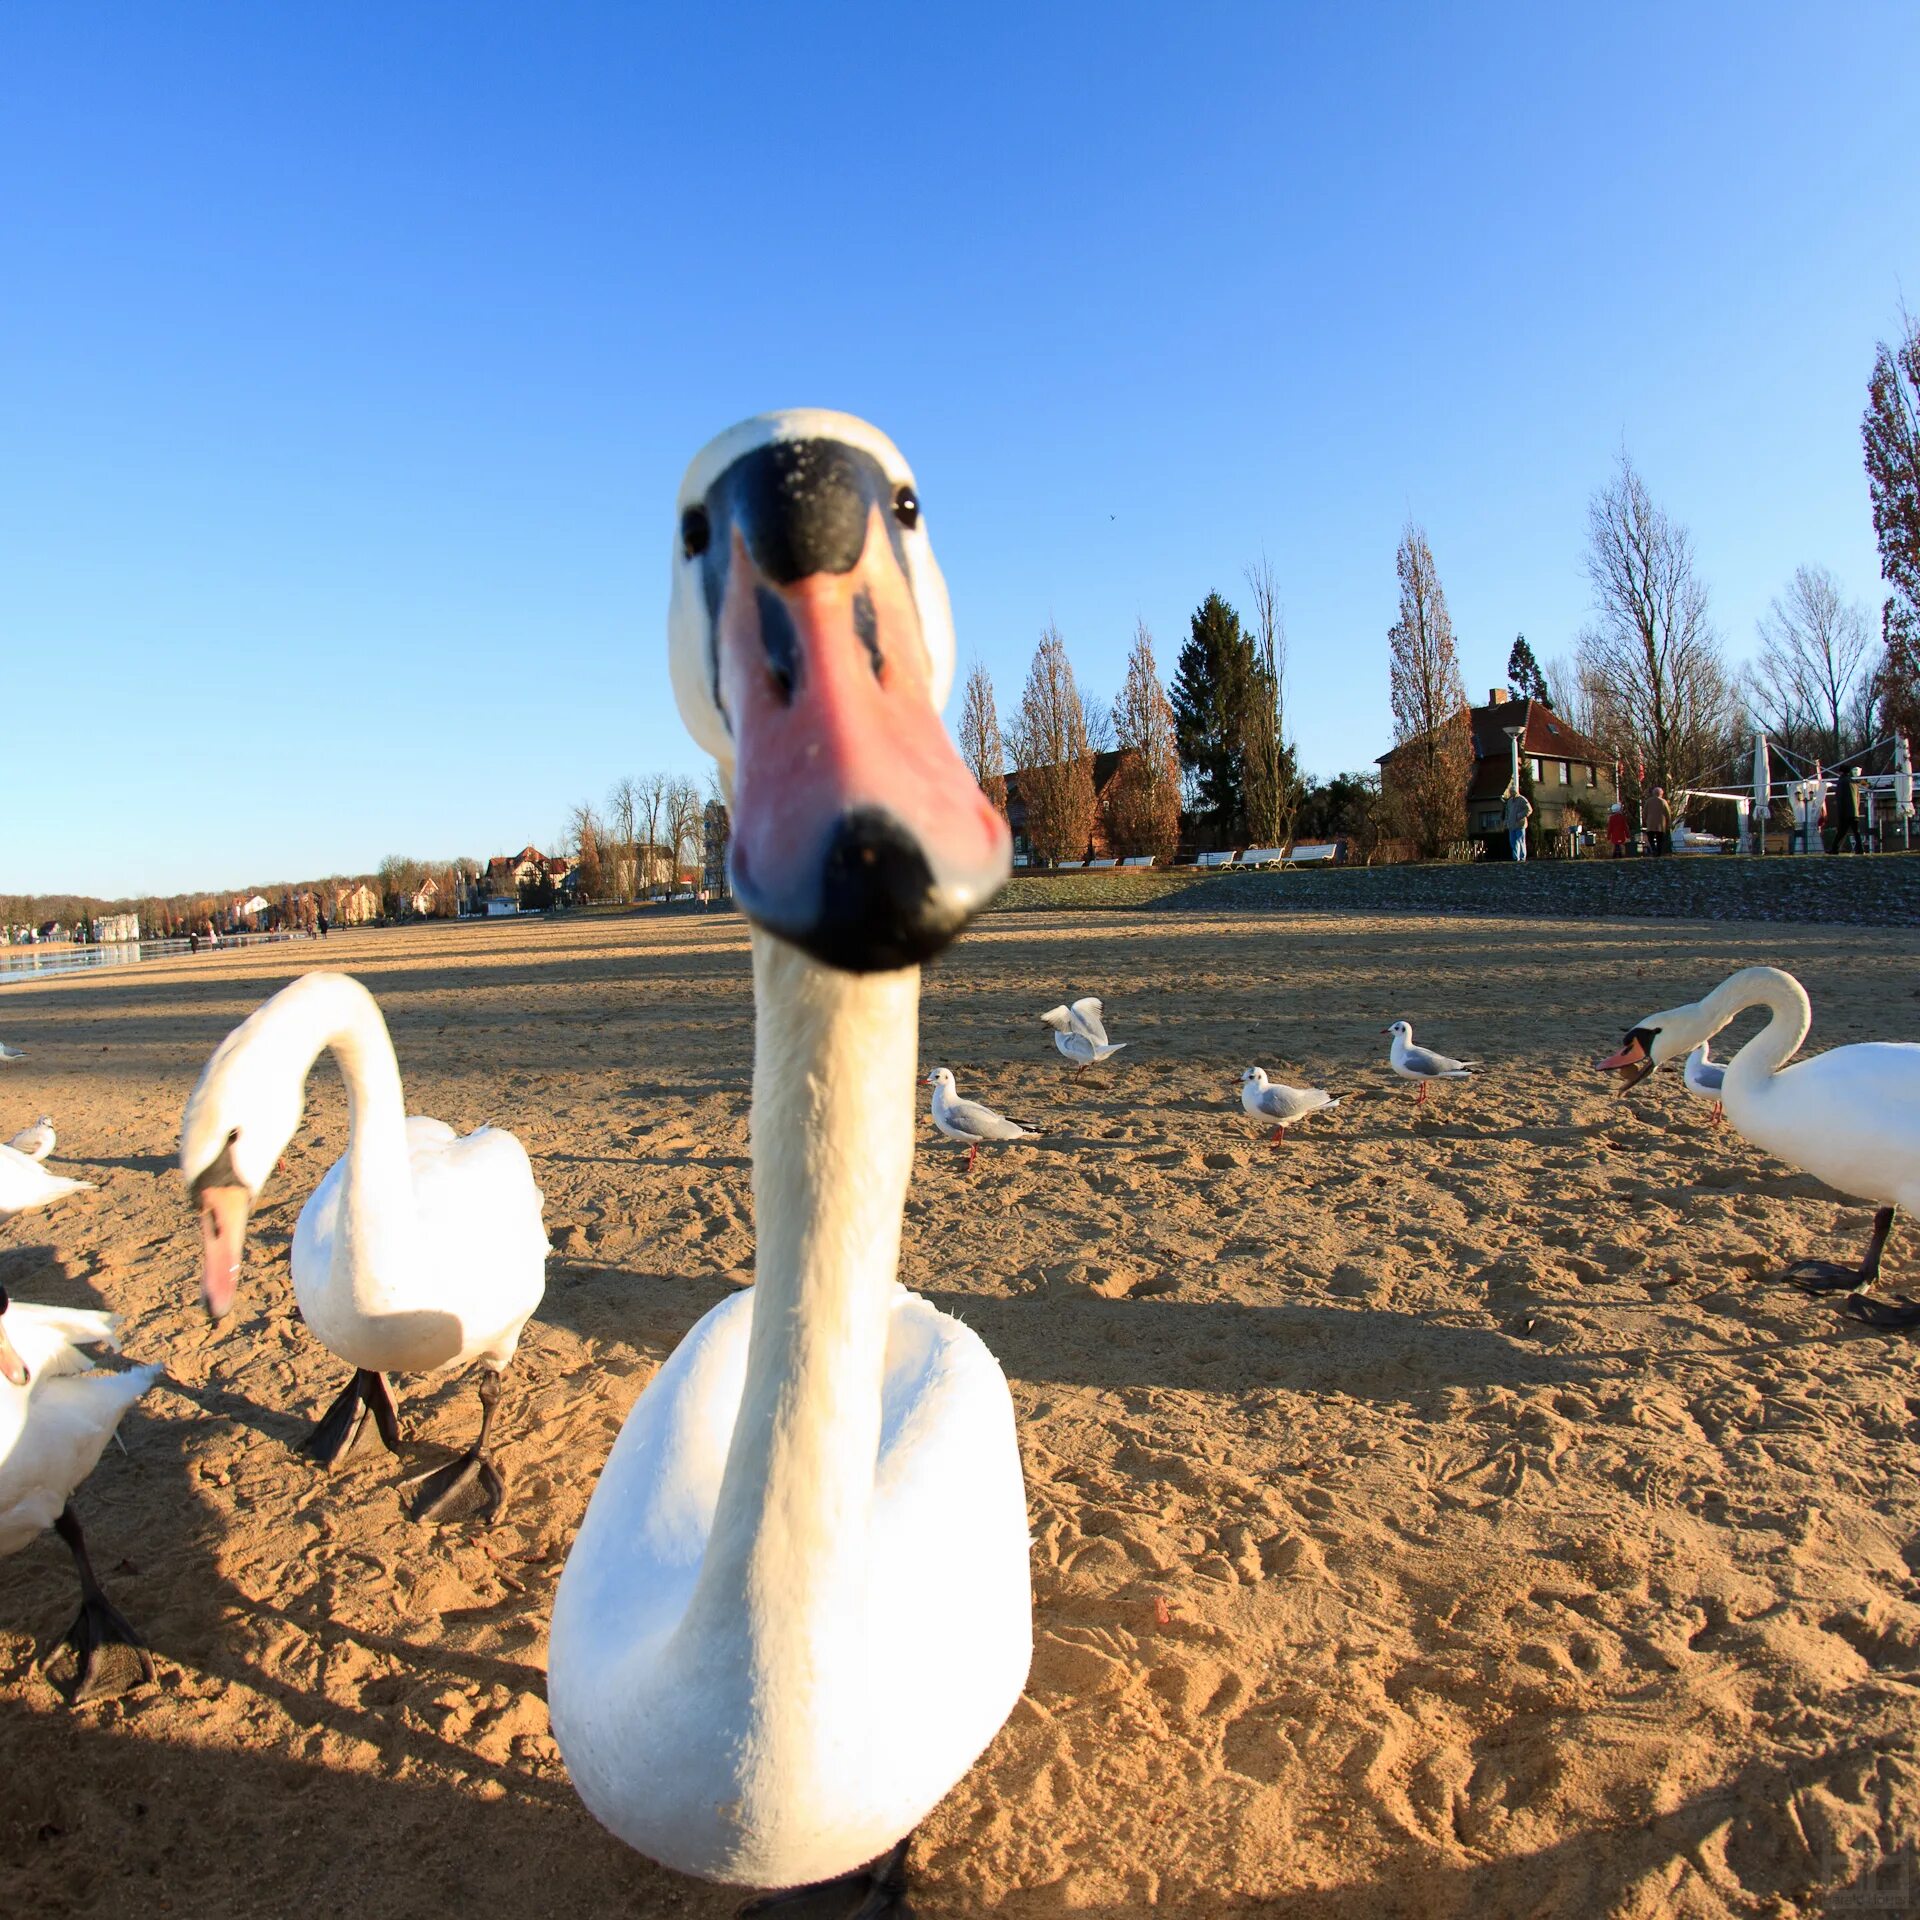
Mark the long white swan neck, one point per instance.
(833, 1120)
(333, 1013)
(1791, 1017)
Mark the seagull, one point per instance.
(10, 1053)
(969, 1121)
(1421, 1063)
(1703, 1075)
(1283, 1105)
(1080, 1032)
(36, 1141)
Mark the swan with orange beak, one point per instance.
(799, 1605)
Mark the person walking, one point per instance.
(1659, 822)
(1519, 810)
(1618, 830)
(1846, 816)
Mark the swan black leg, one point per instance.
(875, 1892)
(441, 1490)
(343, 1426)
(1827, 1276)
(98, 1627)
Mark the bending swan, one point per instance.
(419, 1250)
(798, 1607)
(1850, 1116)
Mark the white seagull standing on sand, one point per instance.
(1080, 1032)
(10, 1053)
(1422, 1063)
(36, 1141)
(25, 1184)
(968, 1120)
(1704, 1077)
(1265, 1099)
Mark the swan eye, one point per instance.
(906, 507)
(233, 1136)
(695, 532)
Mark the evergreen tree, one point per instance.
(1211, 685)
(1523, 671)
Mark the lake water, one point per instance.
(36, 963)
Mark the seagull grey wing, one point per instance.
(1424, 1060)
(1089, 1016)
(982, 1122)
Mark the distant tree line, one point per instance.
(653, 829)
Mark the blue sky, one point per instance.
(350, 356)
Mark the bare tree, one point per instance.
(1813, 657)
(1272, 773)
(1652, 657)
(1056, 764)
(650, 805)
(621, 870)
(682, 809)
(1142, 801)
(980, 744)
(1891, 431)
(1427, 775)
(587, 837)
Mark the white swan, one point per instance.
(968, 1120)
(420, 1249)
(36, 1141)
(1703, 1077)
(1422, 1063)
(25, 1183)
(799, 1606)
(55, 1418)
(1850, 1116)
(1283, 1105)
(1080, 1033)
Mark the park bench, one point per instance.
(1103, 863)
(1313, 853)
(1138, 860)
(1216, 859)
(1264, 857)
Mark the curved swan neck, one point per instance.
(833, 1117)
(1790, 1016)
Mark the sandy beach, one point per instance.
(1446, 1514)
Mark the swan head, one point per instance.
(12, 1368)
(238, 1122)
(1658, 1041)
(812, 648)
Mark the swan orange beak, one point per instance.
(1632, 1063)
(223, 1244)
(857, 832)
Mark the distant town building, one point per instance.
(356, 906)
(1105, 766)
(1562, 769)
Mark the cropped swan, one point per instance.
(1850, 1116)
(798, 1607)
(25, 1183)
(56, 1417)
(420, 1250)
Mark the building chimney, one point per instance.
(1498, 696)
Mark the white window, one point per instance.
(1533, 768)
(1566, 773)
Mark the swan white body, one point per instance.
(36, 1141)
(799, 1605)
(1080, 1032)
(1850, 1116)
(25, 1183)
(1265, 1099)
(53, 1430)
(420, 1249)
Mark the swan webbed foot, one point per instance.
(109, 1658)
(877, 1891)
(1823, 1276)
(343, 1428)
(1885, 1314)
(443, 1490)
